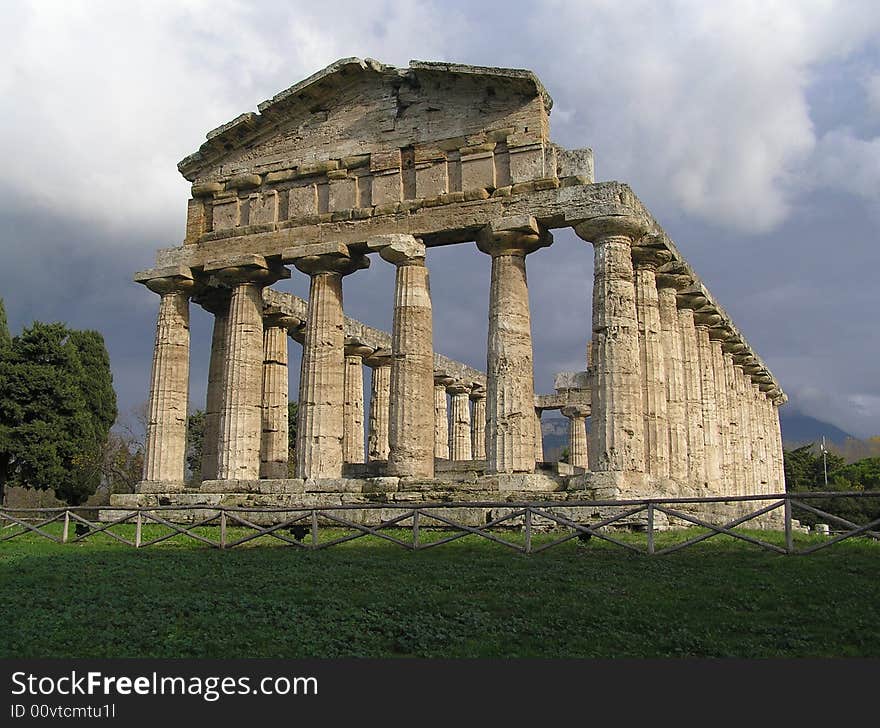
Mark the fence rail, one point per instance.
(524, 517)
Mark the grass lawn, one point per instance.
(470, 598)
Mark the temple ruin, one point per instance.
(366, 163)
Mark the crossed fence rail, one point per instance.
(307, 521)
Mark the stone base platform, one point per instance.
(458, 485)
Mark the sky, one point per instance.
(751, 130)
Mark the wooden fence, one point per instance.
(300, 527)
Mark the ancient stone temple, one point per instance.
(364, 163)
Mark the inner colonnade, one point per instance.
(364, 163)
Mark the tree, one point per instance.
(56, 408)
(292, 415)
(195, 439)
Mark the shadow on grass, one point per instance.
(470, 598)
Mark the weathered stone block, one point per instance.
(477, 170)
(263, 208)
(526, 162)
(302, 200)
(387, 187)
(343, 193)
(226, 213)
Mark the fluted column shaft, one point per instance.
(241, 418)
(411, 429)
(353, 406)
(777, 440)
(711, 440)
(275, 443)
(165, 446)
(693, 398)
(734, 426)
(215, 391)
(478, 429)
(749, 456)
(676, 407)
(724, 444)
(760, 436)
(321, 396)
(539, 438)
(460, 430)
(441, 422)
(380, 397)
(653, 380)
(577, 437)
(617, 410)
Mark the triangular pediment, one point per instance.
(362, 109)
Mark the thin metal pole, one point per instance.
(650, 529)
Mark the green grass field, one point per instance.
(471, 598)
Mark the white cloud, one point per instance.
(843, 161)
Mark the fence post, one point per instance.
(415, 530)
(138, 530)
(528, 546)
(222, 529)
(789, 540)
(650, 529)
(314, 528)
(65, 533)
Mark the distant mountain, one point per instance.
(798, 429)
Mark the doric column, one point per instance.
(441, 417)
(693, 398)
(760, 436)
(165, 446)
(321, 388)
(478, 424)
(651, 359)
(216, 301)
(539, 437)
(711, 439)
(724, 444)
(380, 396)
(460, 430)
(734, 420)
(577, 436)
(778, 400)
(353, 404)
(411, 432)
(510, 399)
(275, 447)
(617, 412)
(749, 455)
(240, 423)
(676, 407)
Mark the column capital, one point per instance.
(458, 388)
(379, 358)
(648, 258)
(398, 249)
(477, 393)
(246, 269)
(575, 411)
(281, 321)
(442, 380)
(214, 299)
(354, 348)
(171, 279)
(518, 235)
(321, 258)
(598, 229)
(707, 319)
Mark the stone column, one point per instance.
(353, 404)
(240, 422)
(676, 407)
(321, 388)
(777, 402)
(412, 370)
(165, 446)
(711, 440)
(734, 425)
(617, 412)
(274, 450)
(510, 400)
(460, 432)
(441, 418)
(693, 398)
(478, 424)
(724, 443)
(539, 437)
(760, 436)
(749, 456)
(651, 358)
(380, 397)
(216, 302)
(577, 436)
